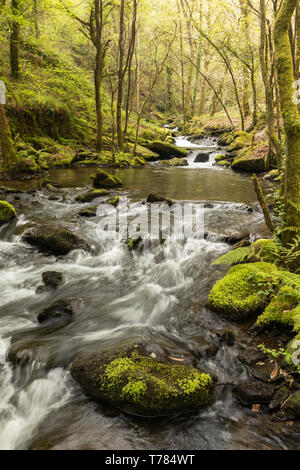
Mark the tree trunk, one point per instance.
(15, 40)
(291, 119)
(274, 143)
(97, 74)
(8, 152)
(120, 77)
(35, 19)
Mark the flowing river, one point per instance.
(159, 294)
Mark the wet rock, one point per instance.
(250, 393)
(263, 370)
(255, 164)
(138, 383)
(91, 195)
(167, 151)
(58, 314)
(228, 338)
(176, 162)
(52, 186)
(7, 213)
(279, 398)
(52, 280)
(89, 212)
(54, 240)
(102, 180)
(154, 198)
(291, 408)
(21, 354)
(135, 243)
(202, 157)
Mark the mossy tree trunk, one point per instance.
(274, 142)
(8, 152)
(120, 77)
(15, 40)
(291, 119)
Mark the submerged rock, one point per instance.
(244, 291)
(7, 213)
(58, 314)
(102, 180)
(167, 151)
(89, 212)
(202, 157)
(54, 240)
(137, 383)
(156, 198)
(91, 195)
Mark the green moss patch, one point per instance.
(280, 312)
(245, 290)
(7, 212)
(141, 385)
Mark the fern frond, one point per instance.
(296, 318)
(237, 256)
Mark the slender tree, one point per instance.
(291, 119)
(15, 39)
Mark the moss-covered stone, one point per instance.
(7, 213)
(241, 139)
(102, 180)
(91, 195)
(167, 151)
(250, 160)
(89, 212)
(154, 198)
(280, 311)
(140, 384)
(244, 291)
(221, 157)
(176, 162)
(54, 240)
(223, 163)
(114, 201)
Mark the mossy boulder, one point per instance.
(241, 139)
(54, 240)
(167, 151)
(144, 152)
(249, 163)
(7, 213)
(244, 291)
(176, 162)
(223, 163)
(114, 201)
(102, 180)
(154, 198)
(280, 311)
(89, 212)
(89, 196)
(221, 157)
(139, 384)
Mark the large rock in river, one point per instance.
(202, 157)
(138, 383)
(102, 180)
(244, 291)
(249, 163)
(7, 212)
(54, 240)
(167, 151)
